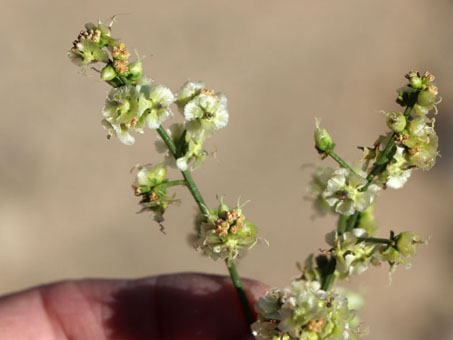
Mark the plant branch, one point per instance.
(172, 183)
(340, 161)
(240, 290)
(204, 210)
(375, 240)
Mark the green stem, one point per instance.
(342, 224)
(204, 210)
(375, 240)
(328, 281)
(240, 290)
(172, 183)
(186, 174)
(352, 220)
(340, 161)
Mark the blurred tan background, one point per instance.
(66, 206)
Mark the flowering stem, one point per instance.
(375, 240)
(240, 290)
(340, 161)
(189, 182)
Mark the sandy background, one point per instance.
(66, 206)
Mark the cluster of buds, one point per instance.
(418, 138)
(95, 44)
(304, 311)
(151, 186)
(224, 232)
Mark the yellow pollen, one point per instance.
(316, 325)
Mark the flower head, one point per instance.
(343, 194)
(224, 232)
(205, 114)
(87, 48)
(153, 105)
(150, 185)
(352, 257)
(303, 311)
(121, 113)
(188, 91)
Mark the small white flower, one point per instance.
(188, 91)
(153, 105)
(205, 114)
(121, 113)
(342, 192)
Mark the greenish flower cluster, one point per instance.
(224, 232)
(310, 308)
(304, 311)
(205, 112)
(136, 102)
(151, 186)
(350, 191)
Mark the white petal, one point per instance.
(156, 117)
(345, 207)
(336, 183)
(162, 95)
(126, 138)
(221, 119)
(192, 110)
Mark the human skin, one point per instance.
(185, 306)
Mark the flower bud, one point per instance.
(323, 140)
(407, 243)
(426, 98)
(136, 69)
(414, 79)
(396, 121)
(421, 110)
(223, 209)
(416, 82)
(108, 73)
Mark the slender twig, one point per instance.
(172, 183)
(240, 290)
(352, 220)
(375, 240)
(342, 224)
(340, 161)
(204, 210)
